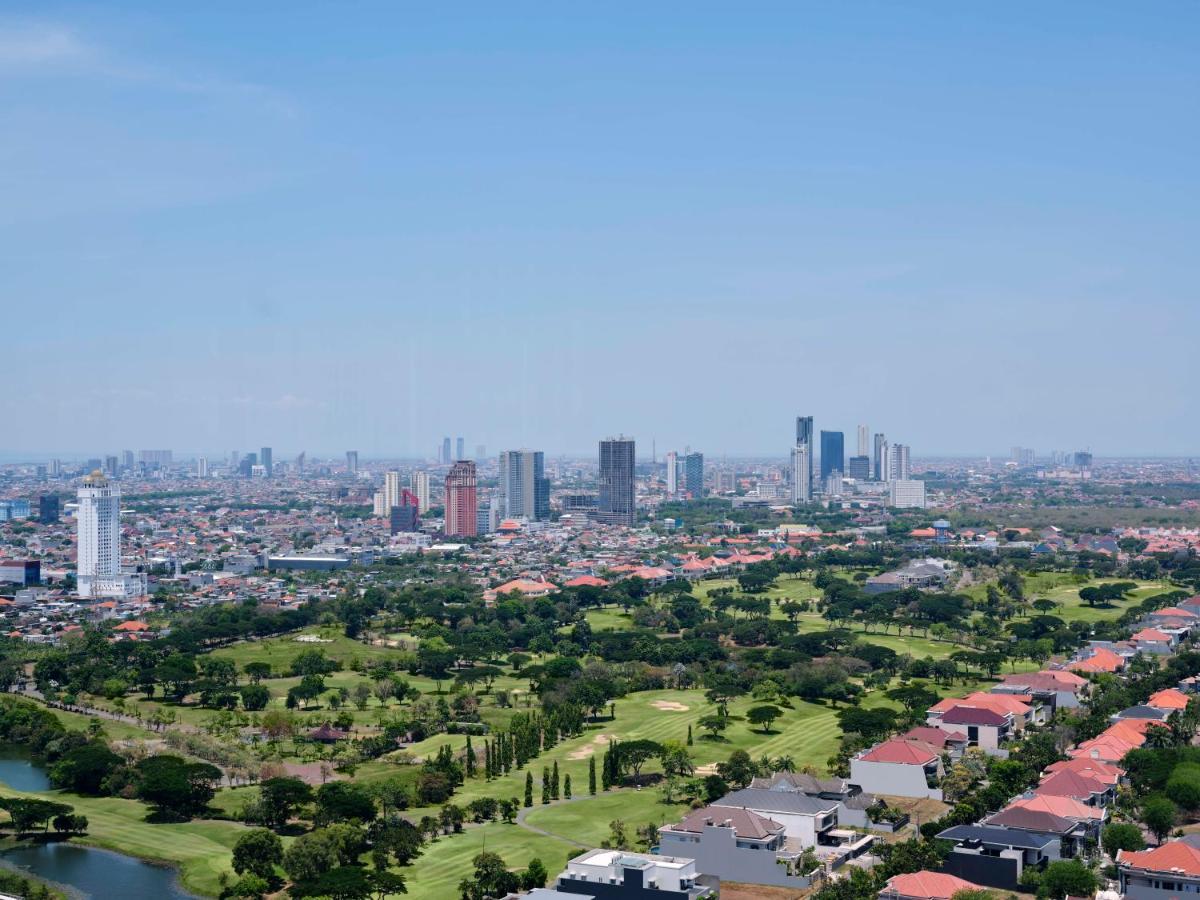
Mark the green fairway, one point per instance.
(279, 652)
(586, 821)
(200, 849)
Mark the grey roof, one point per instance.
(1004, 837)
(800, 781)
(777, 801)
(1031, 820)
(1144, 712)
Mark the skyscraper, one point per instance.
(265, 460)
(391, 490)
(98, 545)
(524, 488)
(801, 473)
(460, 448)
(445, 455)
(833, 453)
(202, 467)
(48, 509)
(804, 438)
(110, 466)
(461, 504)
(859, 467)
(420, 486)
(864, 440)
(899, 468)
(616, 505)
(352, 462)
(672, 473)
(300, 460)
(880, 461)
(693, 475)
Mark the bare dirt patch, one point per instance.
(670, 706)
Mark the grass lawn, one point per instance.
(201, 849)
(586, 821)
(280, 651)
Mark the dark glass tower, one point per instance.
(616, 503)
(833, 453)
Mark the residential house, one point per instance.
(996, 857)
(622, 875)
(899, 768)
(807, 820)
(924, 885)
(982, 728)
(735, 845)
(852, 802)
(1164, 873)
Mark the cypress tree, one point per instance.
(528, 789)
(470, 758)
(606, 770)
(689, 743)
(567, 786)
(487, 760)
(545, 785)
(555, 782)
(591, 775)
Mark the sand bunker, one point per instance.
(590, 749)
(669, 706)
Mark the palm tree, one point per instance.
(783, 764)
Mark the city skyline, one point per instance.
(980, 211)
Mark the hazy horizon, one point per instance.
(236, 226)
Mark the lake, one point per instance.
(88, 871)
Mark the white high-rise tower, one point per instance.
(672, 473)
(98, 523)
(864, 440)
(420, 487)
(801, 474)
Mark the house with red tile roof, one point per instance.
(1100, 660)
(925, 885)
(1164, 873)
(900, 768)
(1168, 698)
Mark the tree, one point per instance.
(534, 876)
(567, 786)
(279, 797)
(177, 787)
(26, 814)
(312, 855)
(1158, 814)
(344, 801)
(491, 878)
(1184, 788)
(764, 716)
(255, 697)
(257, 671)
(714, 725)
(84, 769)
(258, 852)
(738, 770)
(529, 788)
(675, 759)
(592, 775)
(1067, 878)
(1122, 836)
(635, 754)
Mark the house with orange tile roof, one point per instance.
(1165, 873)
(1168, 698)
(1101, 660)
(925, 885)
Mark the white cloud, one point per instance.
(33, 46)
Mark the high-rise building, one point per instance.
(202, 467)
(524, 488)
(616, 504)
(879, 463)
(460, 448)
(480, 452)
(110, 466)
(908, 493)
(672, 473)
(420, 486)
(55, 468)
(444, 457)
(391, 490)
(379, 505)
(833, 484)
(98, 545)
(801, 473)
(693, 475)
(300, 461)
(900, 467)
(864, 441)
(235, 459)
(859, 467)
(461, 504)
(352, 462)
(127, 457)
(48, 509)
(160, 458)
(804, 438)
(1083, 459)
(265, 459)
(833, 453)
(404, 517)
(247, 465)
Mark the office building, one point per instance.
(155, 458)
(419, 481)
(460, 448)
(1083, 460)
(248, 464)
(693, 475)
(404, 518)
(864, 441)
(110, 466)
(879, 463)
(672, 473)
(20, 571)
(899, 467)
(98, 545)
(55, 468)
(391, 489)
(461, 504)
(804, 438)
(444, 456)
(14, 509)
(908, 494)
(833, 484)
(480, 452)
(300, 460)
(48, 509)
(524, 488)
(833, 453)
(127, 457)
(859, 467)
(801, 474)
(616, 504)
(266, 460)
(352, 462)
(1023, 456)
(487, 519)
(202, 467)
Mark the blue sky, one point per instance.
(320, 226)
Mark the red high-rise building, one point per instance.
(461, 503)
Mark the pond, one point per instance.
(86, 872)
